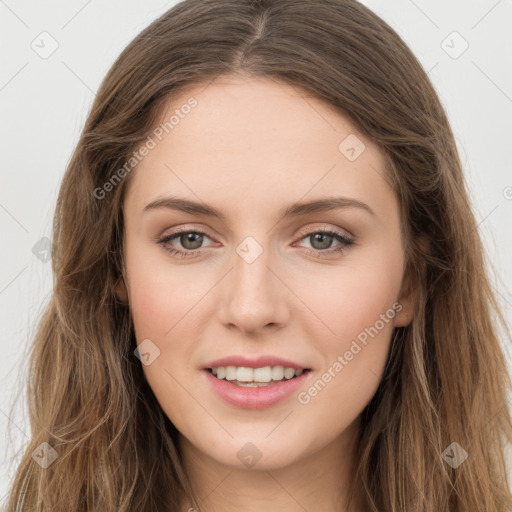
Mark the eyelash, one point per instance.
(346, 242)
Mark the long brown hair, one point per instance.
(446, 379)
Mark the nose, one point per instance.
(253, 298)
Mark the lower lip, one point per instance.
(255, 398)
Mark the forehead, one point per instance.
(260, 140)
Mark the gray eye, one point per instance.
(324, 240)
(191, 240)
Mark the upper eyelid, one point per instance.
(316, 229)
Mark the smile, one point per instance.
(255, 388)
(255, 377)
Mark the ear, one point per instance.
(408, 293)
(121, 291)
(404, 316)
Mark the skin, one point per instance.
(250, 147)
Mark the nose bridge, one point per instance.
(254, 296)
(251, 271)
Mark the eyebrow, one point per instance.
(293, 210)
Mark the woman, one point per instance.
(270, 291)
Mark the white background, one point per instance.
(44, 103)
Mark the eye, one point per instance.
(321, 240)
(191, 242)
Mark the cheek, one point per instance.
(357, 306)
(165, 303)
(352, 298)
(160, 303)
(160, 296)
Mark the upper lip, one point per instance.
(258, 362)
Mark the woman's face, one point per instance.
(259, 280)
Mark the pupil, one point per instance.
(321, 237)
(191, 238)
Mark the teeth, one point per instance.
(243, 374)
(289, 373)
(262, 374)
(277, 373)
(230, 373)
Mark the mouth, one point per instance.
(247, 377)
